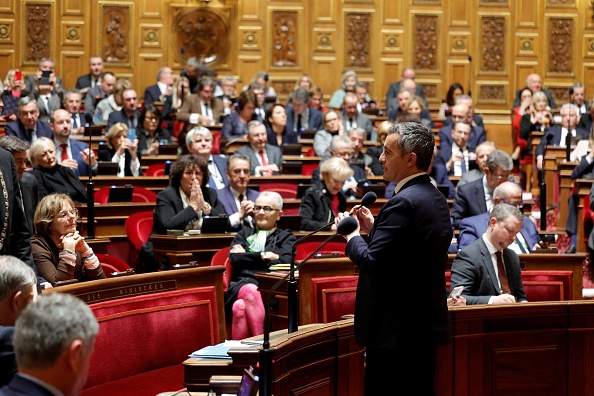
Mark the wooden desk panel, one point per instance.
(564, 171)
(582, 187)
(554, 156)
(154, 183)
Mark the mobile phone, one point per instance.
(131, 134)
(456, 292)
(18, 75)
(46, 73)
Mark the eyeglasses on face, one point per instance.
(65, 213)
(266, 209)
(239, 171)
(191, 173)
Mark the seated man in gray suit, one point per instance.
(488, 269)
(265, 159)
(353, 119)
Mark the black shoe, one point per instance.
(570, 249)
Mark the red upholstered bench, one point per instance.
(143, 340)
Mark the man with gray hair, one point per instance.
(192, 71)
(300, 116)
(474, 119)
(394, 89)
(199, 143)
(53, 343)
(370, 164)
(265, 159)
(28, 126)
(476, 197)
(162, 89)
(18, 288)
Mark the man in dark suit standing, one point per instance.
(265, 159)
(85, 82)
(237, 199)
(396, 252)
(60, 363)
(199, 143)
(28, 127)
(488, 269)
(534, 84)
(130, 112)
(71, 153)
(471, 228)
(162, 89)
(300, 116)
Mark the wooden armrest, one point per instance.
(225, 383)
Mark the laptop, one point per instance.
(107, 168)
(121, 193)
(214, 224)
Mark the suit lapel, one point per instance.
(488, 263)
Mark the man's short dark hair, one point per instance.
(415, 138)
(13, 144)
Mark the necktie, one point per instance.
(299, 123)
(206, 110)
(520, 245)
(74, 123)
(64, 152)
(47, 104)
(264, 163)
(30, 132)
(240, 198)
(463, 163)
(502, 273)
(132, 122)
(351, 123)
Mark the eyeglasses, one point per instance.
(64, 214)
(152, 119)
(508, 177)
(239, 171)
(266, 209)
(192, 173)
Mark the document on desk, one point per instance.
(218, 351)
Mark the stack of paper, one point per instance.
(218, 351)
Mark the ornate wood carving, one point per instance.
(283, 87)
(491, 94)
(493, 44)
(284, 40)
(357, 40)
(39, 24)
(430, 91)
(116, 31)
(425, 42)
(561, 45)
(560, 94)
(203, 34)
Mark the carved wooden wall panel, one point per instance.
(38, 19)
(115, 36)
(285, 39)
(561, 45)
(425, 42)
(203, 34)
(357, 40)
(493, 44)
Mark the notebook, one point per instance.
(214, 224)
(120, 194)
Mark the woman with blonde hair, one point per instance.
(122, 149)
(414, 105)
(11, 93)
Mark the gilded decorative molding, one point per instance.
(284, 39)
(392, 41)
(357, 40)
(116, 33)
(38, 38)
(527, 44)
(493, 2)
(283, 87)
(493, 44)
(324, 41)
(250, 39)
(202, 33)
(494, 94)
(556, 3)
(425, 42)
(4, 31)
(426, 2)
(561, 45)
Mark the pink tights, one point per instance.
(248, 313)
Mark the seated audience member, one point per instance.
(47, 100)
(160, 91)
(322, 202)
(234, 125)
(401, 98)
(60, 253)
(482, 152)
(304, 81)
(577, 94)
(316, 99)
(173, 103)
(333, 126)
(570, 116)
(408, 73)
(187, 199)
(521, 149)
(201, 108)
(229, 86)
(261, 78)
(538, 118)
(150, 133)
(237, 199)
(365, 102)
(51, 176)
(534, 84)
(120, 149)
(53, 344)
(382, 132)
(28, 183)
(476, 197)
(347, 84)
(254, 250)
(259, 111)
(471, 228)
(415, 105)
(445, 109)
(72, 102)
(300, 116)
(458, 157)
(461, 112)
(192, 72)
(474, 119)
(71, 153)
(353, 119)
(276, 123)
(99, 92)
(265, 159)
(11, 94)
(129, 113)
(28, 127)
(342, 147)
(18, 288)
(370, 165)
(34, 80)
(112, 103)
(487, 268)
(94, 78)
(199, 143)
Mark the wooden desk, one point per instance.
(554, 156)
(110, 218)
(582, 187)
(149, 160)
(534, 140)
(322, 358)
(564, 170)
(95, 140)
(154, 183)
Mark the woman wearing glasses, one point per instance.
(323, 138)
(254, 250)
(187, 199)
(59, 251)
(150, 134)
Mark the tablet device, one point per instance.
(249, 384)
(214, 225)
(120, 194)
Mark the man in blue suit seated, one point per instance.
(488, 269)
(199, 143)
(471, 228)
(300, 116)
(28, 127)
(69, 152)
(53, 343)
(237, 199)
(461, 112)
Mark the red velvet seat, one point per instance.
(111, 264)
(332, 297)
(222, 258)
(138, 227)
(286, 190)
(305, 248)
(308, 169)
(140, 194)
(155, 170)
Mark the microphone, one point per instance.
(345, 226)
(543, 186)
(89, 119)
(368, 199)
(469, 75)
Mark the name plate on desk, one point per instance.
(134, 290)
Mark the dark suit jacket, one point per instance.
(233, 126)
(275, 156)
(84, 81)
(315, 209)
(548, 94)
(92, 98)
(585, 122)
(439, 173)
(20, 386)
(8, 366)
(227, 199)
(473, 269)
(314, 120)
(16, 128)
(556, 141)
(221, 164)
(152, 94)
(469, 201)
(61, 180)
(191, 105)
(477, 136)
(288, 137)
(478, 120)
(120, 116)
(362, 120)
(170, 213)
(392, 95)
(472, 228)
(584, 170)
(30, 192)
(55, 104)
(412, 220)
(76, 147)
